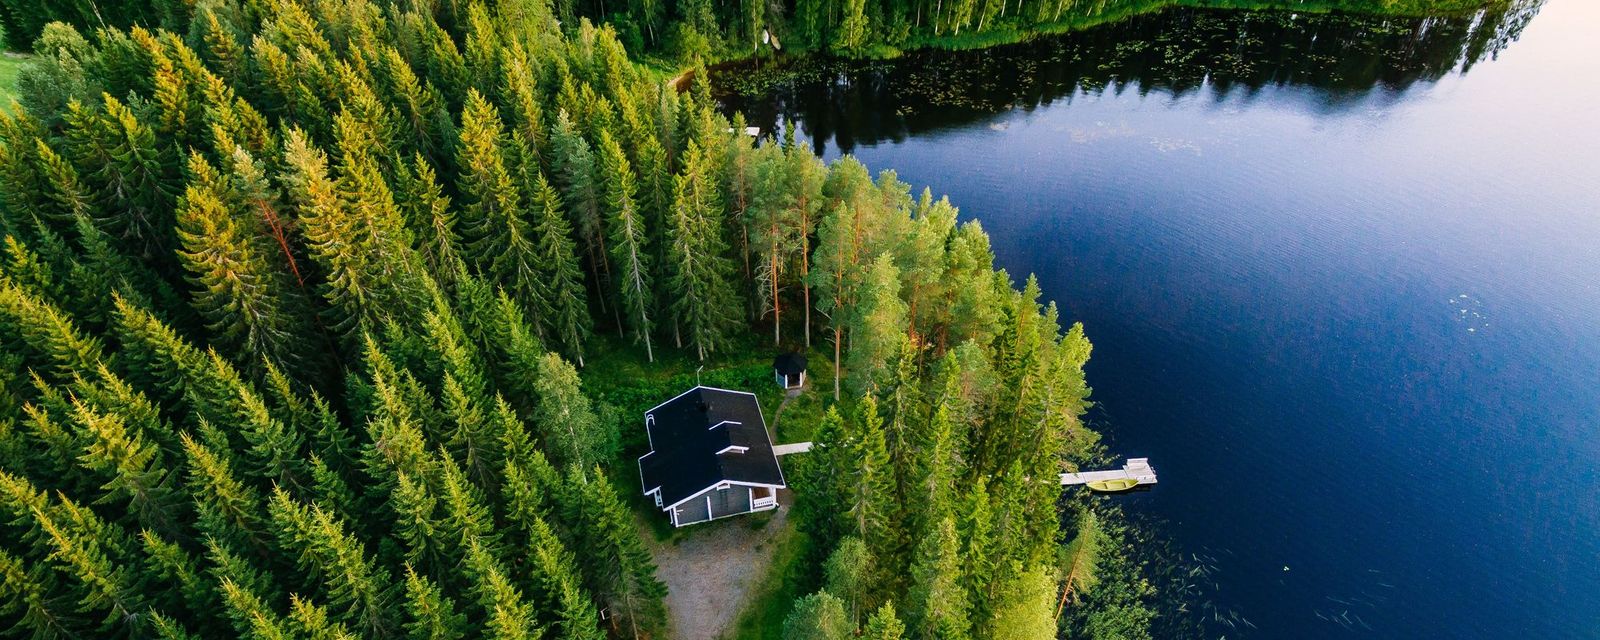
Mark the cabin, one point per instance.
(790, 370)
(710, 457)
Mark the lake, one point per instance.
(1342, 275)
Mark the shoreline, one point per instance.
(680, 75)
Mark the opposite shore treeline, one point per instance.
(294, 300)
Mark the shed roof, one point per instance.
(789, 364)
(690, 436)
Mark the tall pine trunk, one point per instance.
(776, 306)
(838, 338)
(805, 269)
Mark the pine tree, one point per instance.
(772, 217)
(853, 28)
(835, 279)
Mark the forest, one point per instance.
(684, 30)
(299, 301)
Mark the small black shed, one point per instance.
(790, 370)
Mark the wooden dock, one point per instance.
(1136, 468)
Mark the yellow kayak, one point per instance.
(1118, 484)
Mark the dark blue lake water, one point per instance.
(1343, 280)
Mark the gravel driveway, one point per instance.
(711, 571)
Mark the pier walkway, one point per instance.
(1136, 468)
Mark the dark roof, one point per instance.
(686, 433)
(789, 364)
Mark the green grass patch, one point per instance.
(10, 65)
(617, 373)
(772, 597)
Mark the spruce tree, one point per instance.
(569, 424)
(819, 616)
(252, 619)
(491, 199)
(574, 169)
(629, 243)
(507, 615)
(431, 615)
(106, 586)
(885, 625)
(937, 604)
(619, 566)
(562, 305)
(849, 573)
(237, 289)
(133, 468)
(877, 327)
(699, 274)
(325, 552)
(1022, 608)
(870, 493)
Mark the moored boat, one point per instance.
(1112, 485)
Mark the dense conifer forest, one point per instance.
(295, 296)
(686, 29)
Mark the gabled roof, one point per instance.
(789, 364)
(704, 437)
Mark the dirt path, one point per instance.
(712, 571)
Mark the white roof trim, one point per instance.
(647, 491)
(713, 487)
(783, 482)
(697, 388)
